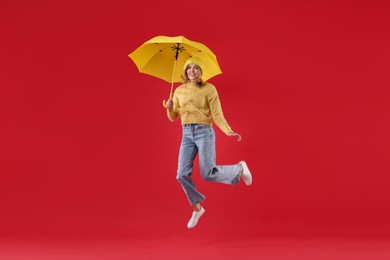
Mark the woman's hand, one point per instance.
(235, 135)
(169, 105)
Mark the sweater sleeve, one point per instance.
(216, 112)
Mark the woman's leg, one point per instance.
(227, 174)
(188, 151)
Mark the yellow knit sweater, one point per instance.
(198, 105)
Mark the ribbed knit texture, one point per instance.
(198, 105)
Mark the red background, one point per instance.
(86, 148)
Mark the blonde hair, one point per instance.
(185, 78)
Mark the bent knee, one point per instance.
(208, 175)
(182, 175)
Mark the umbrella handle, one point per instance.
(165, 102)
(170, 97)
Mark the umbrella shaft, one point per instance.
(177, 48)
(173, 79)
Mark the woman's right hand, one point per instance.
(169, 104)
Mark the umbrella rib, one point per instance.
(178, 49)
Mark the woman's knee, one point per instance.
(207, 174)
(183, 174)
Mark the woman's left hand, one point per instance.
(236, 135)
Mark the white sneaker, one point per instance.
(246, 174)
(195, 217)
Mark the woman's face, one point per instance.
(194, 72)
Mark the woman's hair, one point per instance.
(185, 78)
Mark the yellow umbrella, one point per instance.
(160, 56)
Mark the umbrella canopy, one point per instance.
(160, 56)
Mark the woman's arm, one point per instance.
(217, 114)
(235, 135)
(172, 115)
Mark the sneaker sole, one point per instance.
(248, 176)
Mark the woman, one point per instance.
(197, 104)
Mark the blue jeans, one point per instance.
(200, 139)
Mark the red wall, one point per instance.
(85, 146)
